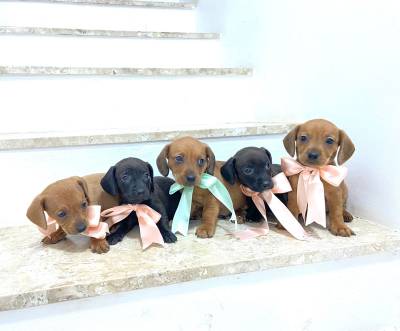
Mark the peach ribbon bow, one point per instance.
(283, 215)
(95, 229)
(147, 217)
(310, 189)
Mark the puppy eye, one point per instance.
(124, 178)
(84, 205)
(146, 176)
(248, 171)
(329, 141)
(303, 138)
(179, 159)
(200, 162)
(61, 214)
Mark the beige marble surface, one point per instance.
(134, 135)
(32, 274)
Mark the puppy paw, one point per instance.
(169, 237)
(347, 217)
(241, 219)
(54, 238)
(99, 246)
(205, 231)
(114, 238)
(341, 230)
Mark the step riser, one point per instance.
(94, 17)
(103, 52)
(35, 169)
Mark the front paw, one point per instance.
(115, 238)
(99, 246)
(169, 237)
(205, 231)
(341, 230)
(54, 238)
(347, 217)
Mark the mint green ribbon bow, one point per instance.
(180, 223)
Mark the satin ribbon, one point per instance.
(95, 229)
(310, 189)
(180, 222)
(147, 217)
(282, 214)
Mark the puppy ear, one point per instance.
(162, 164)
(290, 141)
(82, 183)
(210, 160)
(35, 212)
(346, 148)
(151, 177)
(228, 171)
(109, 183)
(268, 154)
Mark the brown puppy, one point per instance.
(317, 143)
(188, 158)
(66, 202)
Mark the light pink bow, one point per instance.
(147, 217)
(310, 189)
(95, 229)
(283, 215)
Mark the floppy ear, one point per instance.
(228, 171)
(151, 177)
(82, 183)
(109, 183)
(268, 154)
(210, 160)
(162, 164)
(290, 141)
(35, 212)
(346, 148)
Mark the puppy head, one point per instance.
(251, 167)
(188, 158)
(131, 179)
(318, 142)
(66, 201)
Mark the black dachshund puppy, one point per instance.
(132, 180)
(252, 167)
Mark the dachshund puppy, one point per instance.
(66, 201)
(188, 158)
(317, 143)
(253, 168)
(132, 181)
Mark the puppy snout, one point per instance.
(80, 227)
(313, 155)
(267, 184)
(140, 191)
(191, 179)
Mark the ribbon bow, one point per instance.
(95, 229)
(180, 222)
(310, 189)
(147, 217)
(283, 215)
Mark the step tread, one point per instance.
(135, 135)
(118, 71)
(46, 31)
(130, 3)
(126, 267)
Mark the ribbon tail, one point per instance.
(316, 203)
(222, 194)
(180, 222)
(97, 232)
(149, 232)
(302, 196)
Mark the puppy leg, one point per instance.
(99, 246)
(162, 224)
(55, 237)
(209, 218)
(346, 215)
(123, 228)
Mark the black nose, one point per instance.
(140, 191)
(313, 156)
(267, 184)
(191, 178)
(80, 227)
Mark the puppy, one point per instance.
(131, 180)
(66, 201)
(253, 168)
(317, 143)
(188, 158)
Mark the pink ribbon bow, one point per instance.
(310, 189)
(95, 229)
(147, 217)
(283, 215)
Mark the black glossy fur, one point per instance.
(132, 180)
(252, 167)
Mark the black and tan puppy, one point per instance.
(318, 143)
(252, 167)
(132, 181)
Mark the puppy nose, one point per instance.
(80, 227)
(267, 184)
(313, 156)
(190, 178)
(140, 191)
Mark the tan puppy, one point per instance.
(188, 158)
(66, 201)
(317, 143)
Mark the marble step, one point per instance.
(130, 3)
(113, 72)
(126, 267)
(44, 31)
